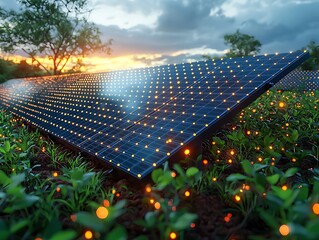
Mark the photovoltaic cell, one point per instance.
(299, 80)
(137, 119)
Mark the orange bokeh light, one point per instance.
(237, 198)
(88, 234)
(102, 212)
(284, 230)
(106, 203)
(157, 205)
(282, 104)
(187, 152)
(315, 208)
(148, 189)
(187, 193)
(73, 217)
(172, 235)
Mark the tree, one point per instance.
(6, 70)
(57, 29)
(241, 44)
(313, 62)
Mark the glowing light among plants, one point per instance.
(237, 198)
(315, 208)
(187, 152)
(173, 174)
(102, 212)
(157, 205)
(282, 104)
(106, 203)
(88, 234)
(187, 193)
(55, 174)
(284, 230)
(172, 235)
(148, 189)
(228, 217)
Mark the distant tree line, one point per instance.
(9, 70)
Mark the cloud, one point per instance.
(180, 16)
(179, 30)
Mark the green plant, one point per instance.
(81, 186)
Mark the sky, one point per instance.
(156, 32)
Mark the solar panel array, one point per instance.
(299, 80)
(137, 119)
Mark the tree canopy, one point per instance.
(313, 62)
(241, 44)
(57, 29)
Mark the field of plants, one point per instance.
(258, 178)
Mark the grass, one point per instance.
(260, 171)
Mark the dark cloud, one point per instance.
(181, 16)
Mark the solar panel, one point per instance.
(299, 80)
(137, 119)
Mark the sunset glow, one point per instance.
(100, 64)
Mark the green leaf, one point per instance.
(284, 195)
(22, 155)
(18, 226)
(150, 218)
(268, 218)
(184, 221)
(289, 201)
(4, 179)
(17, 179)
(164, 180)
(156, 174)
(236, 177)
(290, 172)
(268, 141)
(315, 187)
(91, 221)
(273, 179)
(6, 146)
(118, 233)
(258, 166)
(303, 193)
(232, 137)
(65, 235)
(248, 168)
(179, 170)
(192, 171)
(294, 135)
